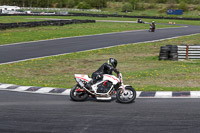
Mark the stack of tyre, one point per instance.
(168, 52)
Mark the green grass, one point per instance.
(9, 19)
(16, 19)
(138, 63)
(51, 32)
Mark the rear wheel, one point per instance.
(127, 96)
(77, 95)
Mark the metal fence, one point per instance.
(189, 52)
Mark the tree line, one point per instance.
(84, 4)
(56, 3)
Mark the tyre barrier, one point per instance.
(180, 52)
(4, 26)
(168, 52)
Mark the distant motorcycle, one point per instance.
(152, 28)
(103, 90)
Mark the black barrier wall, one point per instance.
(4, 26)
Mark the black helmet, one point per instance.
(112, 62)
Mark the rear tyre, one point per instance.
(76, 95)
(127, 96)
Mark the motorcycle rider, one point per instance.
(106, 68)
(140, 21)
(152, 26)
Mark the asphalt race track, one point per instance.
(38, 113)
(41, 113)
(10, 53)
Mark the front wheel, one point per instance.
(126, 96)
(77, 95)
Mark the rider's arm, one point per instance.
(112, 69)
(116, 71)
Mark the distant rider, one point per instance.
(106, 68)
(152, 26)
(140, 21)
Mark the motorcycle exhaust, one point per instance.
(79, 82)
(83, 86)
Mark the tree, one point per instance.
(84, 5)
(183, 6)
(70, 3)
(97, 3)
(127, 7)
(134, 4)
(185, 1)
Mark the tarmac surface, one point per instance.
(39, 113)
(24, 51)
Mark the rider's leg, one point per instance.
(90, 83)
(95, 78)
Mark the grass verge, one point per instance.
(15, 19)
(138, 63)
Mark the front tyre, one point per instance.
(127, 96)
(77, 95)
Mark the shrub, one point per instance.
(197, 8)
(134, 4)
(127, 7)
(171, 4)
(163, 10)
(116, 6)
(152, 6)
(70, 3)
(97, 3)
(141, 7)
(83, 5)
(183, 6)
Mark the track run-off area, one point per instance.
(40, 113)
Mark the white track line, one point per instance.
(66, 92)
(32, 92)
(195, 94)
(22, 88)
(44, 90)
(138, 93)
(163, 94)
(6, 85)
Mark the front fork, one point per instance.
(122, 84)
(123, 88)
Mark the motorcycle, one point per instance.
(102, 90)
(151, 28)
